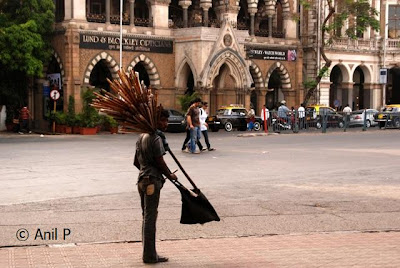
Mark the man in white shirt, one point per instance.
(264, 111)
(302, 114)
(346, 112)
(204, 127)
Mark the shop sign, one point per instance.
(271, 54)
(129, 43)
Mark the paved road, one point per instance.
(277, 184)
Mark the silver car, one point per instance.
(357, 118)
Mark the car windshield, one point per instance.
(223, 112)
(358, 112)
(238, 111)
(175, 113)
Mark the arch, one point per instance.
(345, 72)
(178, 80)
(366, 71)
(150, 68)
(236, 65)
(58, 59)
(283, 73)
(256, 75)
(111, 64)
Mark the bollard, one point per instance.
(324, 123)
(365, 121)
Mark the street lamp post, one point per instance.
(384, 65)
(120, 33)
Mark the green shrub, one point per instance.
(186, 99)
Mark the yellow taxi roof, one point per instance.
(393, 105)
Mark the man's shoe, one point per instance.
(203, 149)
(211, 149)
(159, 259)
(195, 152)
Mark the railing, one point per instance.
(114, 19)
(392, 44)
(143, 22)
(99, 18)
(295, 122)
(275, 33)
(355, 44)
(242, 25)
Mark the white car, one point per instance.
(357, 117)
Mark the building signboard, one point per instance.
(129, 43)
(271, 54)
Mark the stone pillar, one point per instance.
(261, 99)
(79, 10)
(252, 15)
(108, 11)
(132, 12)
(289, 27)
(324, 88)
(205, 5)
(185, 5)
(159, 13)
(270, 17)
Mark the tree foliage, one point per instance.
(360, 15)
(26, 27)
(25, 31)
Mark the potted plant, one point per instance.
(60, 119)
(111, 124)
(76, 128)
(90, 117)
(70, 117)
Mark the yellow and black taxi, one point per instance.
(315, 114)
(230, 117)
(389, 116)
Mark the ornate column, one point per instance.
(205, 5)
(108, 11)
(132, 12)
(252, 13)
(270, 17)
(185, 5)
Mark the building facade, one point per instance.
(243, 52)
(355, 76)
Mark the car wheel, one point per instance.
(257, 126)
(397, 123)
(228, 126)
(368, 123)
(341, 124)
(318, 125)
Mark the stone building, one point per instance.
(354, 77)
(229, 51)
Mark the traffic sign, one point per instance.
(54, 94)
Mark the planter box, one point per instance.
(88, 130)
(76, 130)
(68, 130)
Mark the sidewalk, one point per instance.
(314, 250)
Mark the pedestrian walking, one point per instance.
(251, 118)
(346, 112)
(186, 143)
(302, 114)
(150, 162)
(25, 114)
(265, 111)
(204, 127)
(193, 122)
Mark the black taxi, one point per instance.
(230, 117)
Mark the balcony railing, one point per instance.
(355, 44)
(265, 33)
(114, 19)
(99, 18)
(393, 44)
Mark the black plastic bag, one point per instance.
(195, 206)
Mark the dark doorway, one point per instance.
(143, 76)
(393, 95)
(190, 83)
(274, 86)
(336, 98)
(358, 89)
(99, 75)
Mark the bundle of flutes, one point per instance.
(133, 106)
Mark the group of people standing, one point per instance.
(196, 125)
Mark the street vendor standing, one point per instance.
(150, 162)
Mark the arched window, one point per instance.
(99, 75)
(141, 13)
(143, 75)
(279, 16)
(243, 18)
(60, 10)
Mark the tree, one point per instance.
(26, 27)
(360, 15)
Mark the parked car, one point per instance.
(230, 117)
(357, 118)
(389, 116)
(176, 121)
(314, 114)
